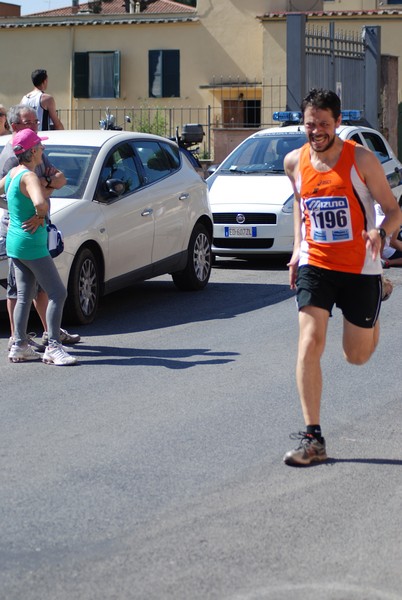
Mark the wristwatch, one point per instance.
(382, 233)
(48, 179)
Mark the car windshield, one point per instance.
(262, 154)
(76, 163)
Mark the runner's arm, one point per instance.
(290, 164)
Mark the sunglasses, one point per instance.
(2, 114)
(35, 122)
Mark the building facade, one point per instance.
(222, 64)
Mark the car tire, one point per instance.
(197, 272)
(84, 288)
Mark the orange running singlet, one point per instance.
(336, 206)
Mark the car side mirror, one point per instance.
(115, 187)
(212, 169)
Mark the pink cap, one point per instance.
(25, 140)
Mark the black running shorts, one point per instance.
(358, 296)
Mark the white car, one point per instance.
(133, 208)
(251, 197)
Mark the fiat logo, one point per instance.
(240, 218)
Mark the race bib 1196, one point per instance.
(330, 219)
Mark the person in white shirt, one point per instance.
(44, 104)
(391, 255)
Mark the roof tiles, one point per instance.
(117, 7)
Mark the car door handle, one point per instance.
(146, 212)
(184, 196)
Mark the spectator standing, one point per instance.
(4, 125)
(43, 103)
(392, 249)
(23, 117)
(27, 245)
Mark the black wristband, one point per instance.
(382, 233)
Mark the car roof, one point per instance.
(91, 137)
(299, 129)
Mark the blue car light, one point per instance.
(295, 116)
(289, 116)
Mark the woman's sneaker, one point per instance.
(56, 355)
(309, 450)
(35, 345)
(65, 337)
(31, 341)
(23, 353)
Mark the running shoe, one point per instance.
(65, 338)
(23, 353)
(35, 345)
(309, 450)
(31, 341)
(55, 354)
(387, 288)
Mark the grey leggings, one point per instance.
(27, 273)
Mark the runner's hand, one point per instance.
(373, 242)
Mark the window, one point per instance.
(356, 138)
(164, 73)
(157, 159)
(76, 162)
(376, 144)
(97, 75)
(120, 165)
(241, 113)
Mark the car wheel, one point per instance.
(198, 269)
(83, 288)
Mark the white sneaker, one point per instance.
(56, 355)
(31, 341)
(65, 337)
(23, 354)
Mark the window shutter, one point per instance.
(81, 75)
(117, 74)
(154, 90)
(164, 73)
(171, 74)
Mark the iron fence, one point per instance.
(234, 104)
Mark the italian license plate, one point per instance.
(241, 232)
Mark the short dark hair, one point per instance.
(324, 100)
(38, 76)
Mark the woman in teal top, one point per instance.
(26, 244)
(23, 243)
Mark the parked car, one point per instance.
(133, 208)
(251, 197)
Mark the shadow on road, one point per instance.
(158, 304)
(171, 359)
(366, 461)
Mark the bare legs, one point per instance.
(358, 346)
(40, 303)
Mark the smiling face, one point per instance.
(320, 127)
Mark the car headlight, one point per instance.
(288, 205)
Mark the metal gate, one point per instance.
(349, 64)
(336, 59)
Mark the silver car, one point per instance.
(133, 208)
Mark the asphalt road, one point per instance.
(153, 470)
